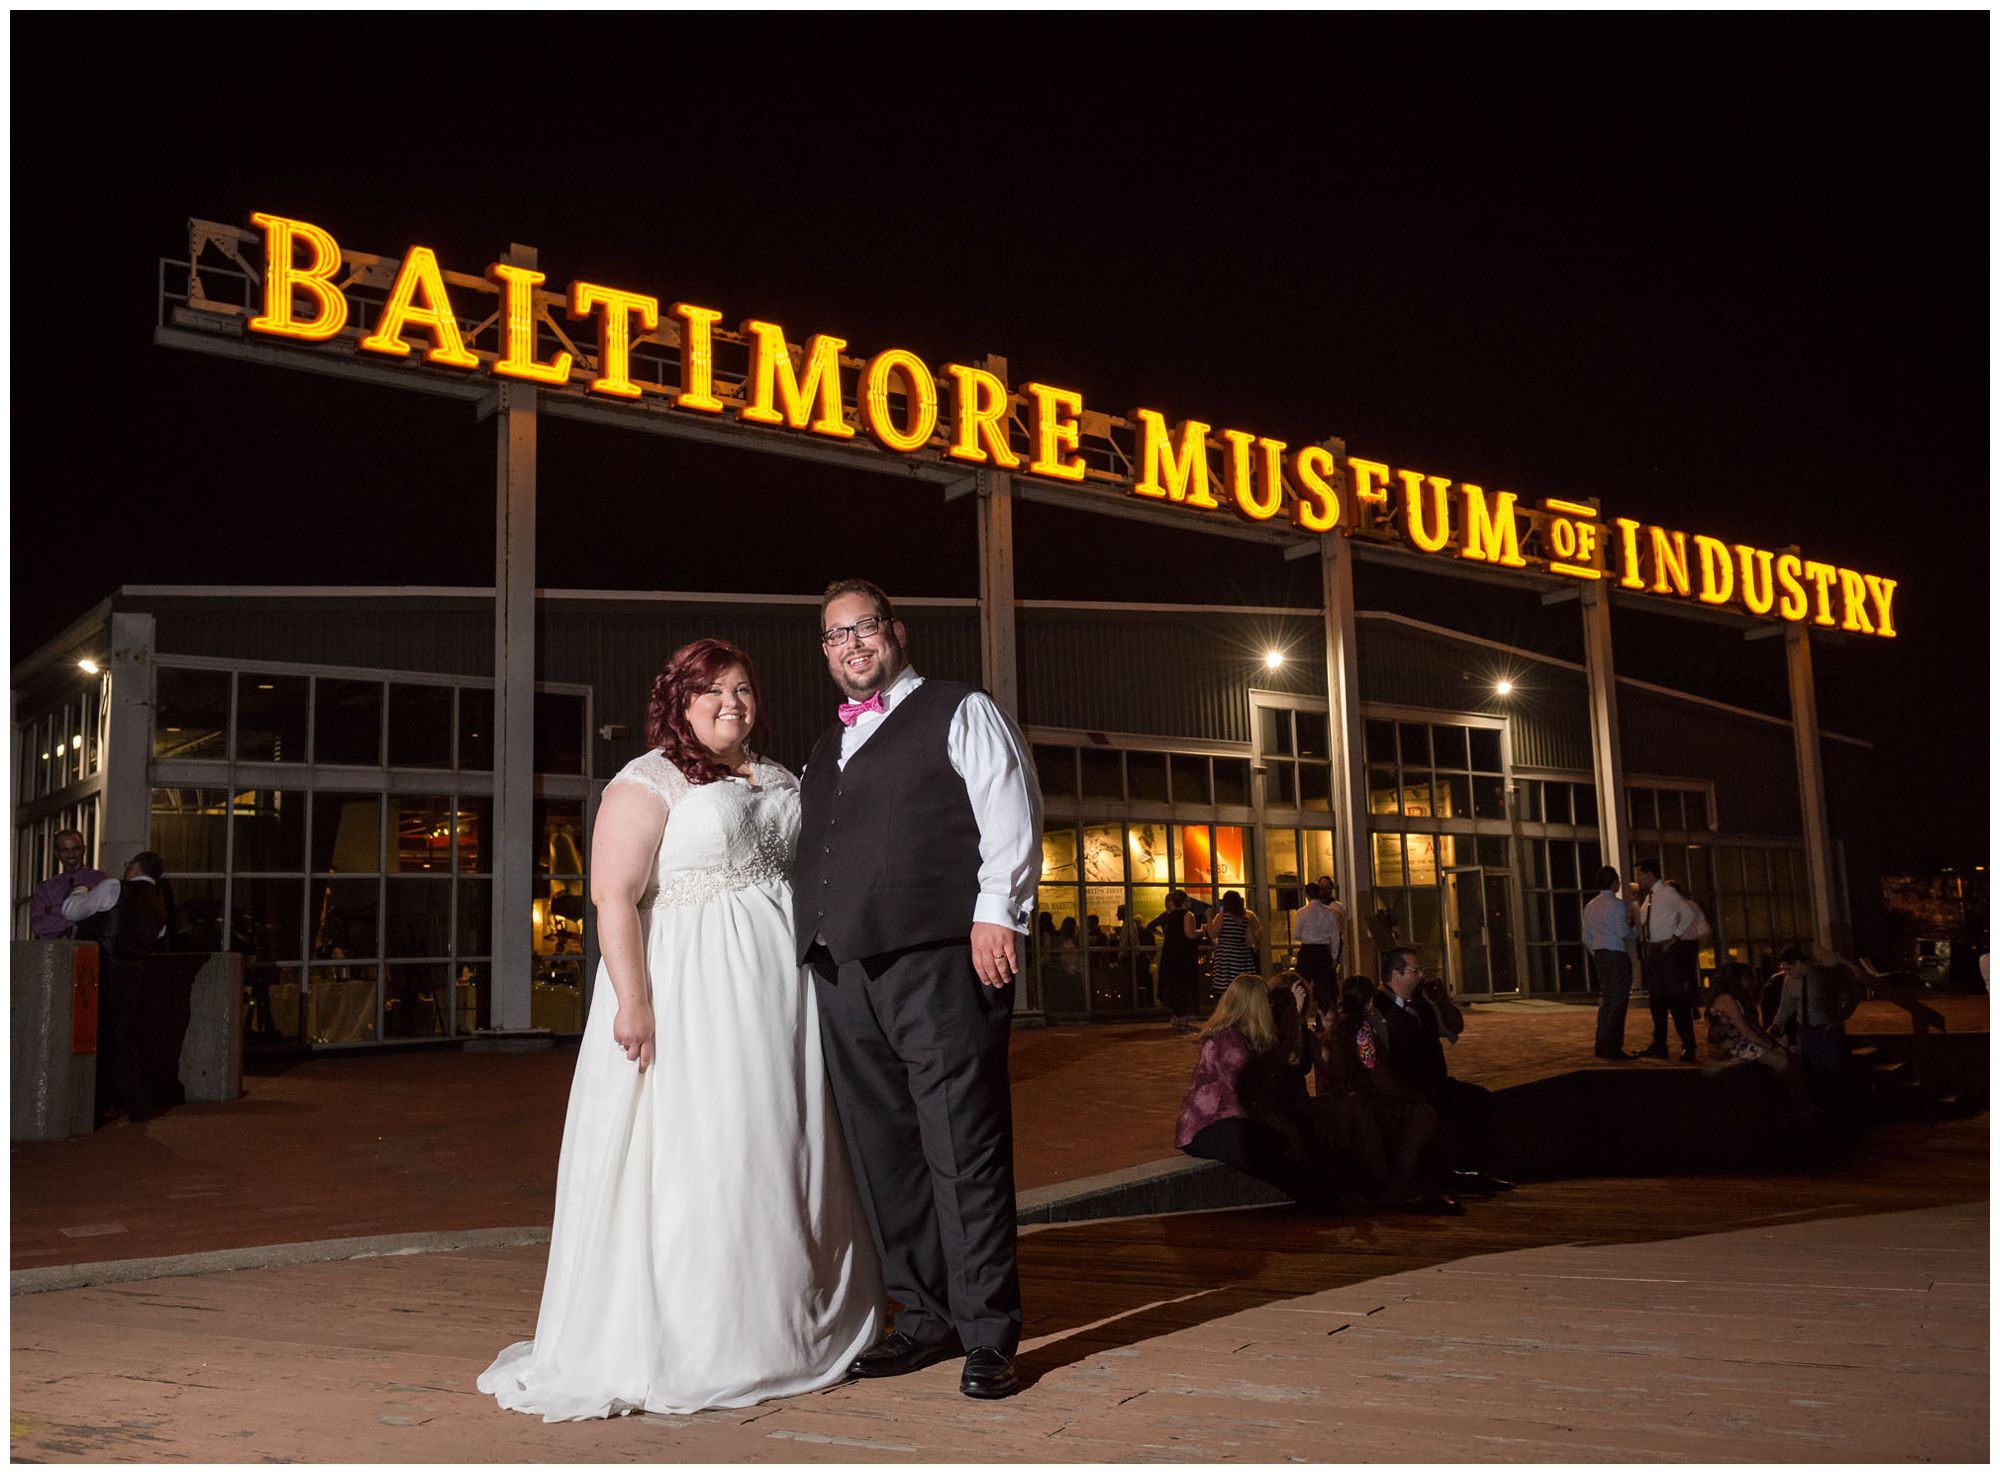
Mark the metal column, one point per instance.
(997, 668)
(1344, 732)
(1607, 758)
(1812, 781)
(512, 980)
(125, 818)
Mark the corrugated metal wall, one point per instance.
(1750, 762)
(1548, 711)
(1162, 674)
(448, 636)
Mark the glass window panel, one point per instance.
(271, 718)
(475, 727)
(1059, 854)
(1535, 861)
(417, 917)
(558, 996)
(1414, 738)
(559, 836)
(1380, 738)
(190, 716)
(1489, 797)
(475, 917)
(1103, 773)
(1795, 872)
(1426, 920)
(1103, 852)
(1312, 734)
(1316, 787)
(340, 1005)
(1671, 814)
(1535, 914)
(1449, 746)
(1735, 919)
(1055, 770)
(1568, 909)
(1783, 926)
(1146, 852)
(1281, 863)
(1194, 855)
(1757, 916)
(420, 833)
(197, 918)
(1148, 902)
(270, 830)
(558, 732)
(472, 993)
(1422, 852)
(1452, 850)
(1318, 847)
(272, 1013)
(1584, 797)
(1701, 876)
(347, 833)
(1416, 794)
(1485, 744)
(270, 918)
(1729, 859)
(1383, 797)
(420, 726)
(416, 1000)
(557, 912)
(1572, 970)
(347, 722)
(189, 828)
(1229, 867)
(1389, 860)
(1640, 808)
(1146, 773)
(1492, 851)
(343, 917)
(1695, 805)
(1528, 799)
(1190, 779)
(1541, 970)
(1281, 786)
(1589, 860)
(1562, 865)
(1556, 803)
(1274, 731)
(1454, 796)
(1232, 781)
(472, 817)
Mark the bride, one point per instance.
(709, 1247)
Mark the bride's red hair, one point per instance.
(687, 673)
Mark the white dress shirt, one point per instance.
(1668, 916)
(987, 752)
(1317, 924)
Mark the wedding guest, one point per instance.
(46, 921)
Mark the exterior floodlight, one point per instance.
(1274, 658)
(87, 666)
(1505, 687)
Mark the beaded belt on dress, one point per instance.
(694, 887)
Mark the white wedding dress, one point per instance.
(710, 1249)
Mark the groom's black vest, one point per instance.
(888, 846)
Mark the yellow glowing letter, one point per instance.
(1185, 465)
(697, 358)
(1318, 506)
(1757, 593)
(1628, 554)
(420, 275)
(1055, 432)
(1792, 602)
(1854, 603)
(979, 414)
(1670, 561)
(517, 328)
(1490, 534)
(1437, 535)
(614, 331)
(316, 280)
(1882, 590)
(1258, 494)
(1718, 577)
(1820, 576)
(920, 401)
(777, 395)
(1371, 481)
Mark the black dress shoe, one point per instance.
(1443, 1203)
(1652, 1051)
(1480, 1182)
(897, 1353)
(1688, 1057)
(988, 1373)
(1616, 1054)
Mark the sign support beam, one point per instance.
(1607, 757)
(1812, 782)
(511, 983)
(997, 667)
(1345, 735)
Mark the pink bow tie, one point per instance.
(850, 711)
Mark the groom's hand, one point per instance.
(993, 953)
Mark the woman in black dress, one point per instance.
(1180, 967)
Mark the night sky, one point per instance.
(1726, 273)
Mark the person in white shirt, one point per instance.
(1670, 926)
(1316, 928)
(1608, 936)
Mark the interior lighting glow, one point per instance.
(1504, 686)
(1274, 658)
(88, 666)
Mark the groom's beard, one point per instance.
(879, 677)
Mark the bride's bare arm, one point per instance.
(629, 824)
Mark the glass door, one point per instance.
(1500, 934)
(1465, 932)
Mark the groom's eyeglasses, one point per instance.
(840, 634)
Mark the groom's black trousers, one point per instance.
(917, 1049)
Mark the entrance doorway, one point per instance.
(1479, 932)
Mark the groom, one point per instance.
(919, 849)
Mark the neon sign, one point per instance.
(896, 403)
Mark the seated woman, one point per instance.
(1403, 1123)
(1733, 1033)
(1233, 1111)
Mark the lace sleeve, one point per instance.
(772, 774)
(652, 772)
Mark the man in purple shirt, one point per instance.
(45, 917)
